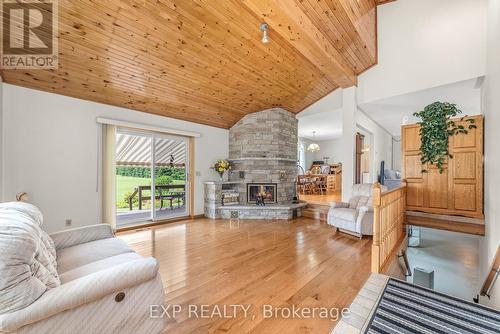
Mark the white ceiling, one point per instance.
(392, 112)
(327, 124)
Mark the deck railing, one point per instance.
(171, 191)
(388, 225)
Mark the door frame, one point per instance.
(189, 186)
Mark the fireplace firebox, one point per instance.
(266, 190)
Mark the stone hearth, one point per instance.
(274, 211)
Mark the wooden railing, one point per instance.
(492, 275)
(389, 229)
(175, 190)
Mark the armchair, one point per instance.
(355, 217)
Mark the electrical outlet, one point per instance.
(198, 173)
(68, 222)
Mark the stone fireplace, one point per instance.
(263, 150)
(263, 154)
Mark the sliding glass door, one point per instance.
(151, 177)
(170, 176)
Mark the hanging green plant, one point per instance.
(436, 126)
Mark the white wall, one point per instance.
(51, 152)
(1, 139)
(349, 110)
(396, 153)
(491, 108)
(424, 44)
(331, 148)
(309, 155)
(380, 146)
(332, 101)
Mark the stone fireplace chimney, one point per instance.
(263, 150)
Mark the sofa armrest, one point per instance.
(80, 235)
(81, 291)
(339, 205)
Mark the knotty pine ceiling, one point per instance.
(203, 61)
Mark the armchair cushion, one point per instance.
(27, 260)
(345, 214)
(364, 201)
(80, 235)
(82, 254)
(99, 265)
(353, 202)
(339, 205)
(81, 291)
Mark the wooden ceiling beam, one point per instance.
(382, 2)
(349, 26)
(287, 19)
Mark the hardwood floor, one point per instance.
(322, 199)
(282, 263)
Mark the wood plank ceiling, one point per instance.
(203, 61)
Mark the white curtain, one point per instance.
(109, 175)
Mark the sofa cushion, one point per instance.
(364, 189)
(390, 174)
(364, 201)
(345, 214)
(99, 265)
(27, 263)
(82, 254)
(353, 202)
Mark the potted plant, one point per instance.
(221, 166)
(436, 126)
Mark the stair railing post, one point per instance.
(377, 202)
(404, 184)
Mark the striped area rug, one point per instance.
(407, 308)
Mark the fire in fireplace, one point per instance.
(267, 190)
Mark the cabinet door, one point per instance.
(412, 167)
(467, 168)
(415, 193)
(411, 138)
(436, 189)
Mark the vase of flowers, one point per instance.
(221, 166)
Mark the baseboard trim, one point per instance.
(157, 223)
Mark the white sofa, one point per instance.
(82, 280)
(355, 217)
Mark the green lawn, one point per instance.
(125, 184)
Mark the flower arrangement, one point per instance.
(221, 166)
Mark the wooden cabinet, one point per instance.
(334, 182)
(456, 191)
(330, 182)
